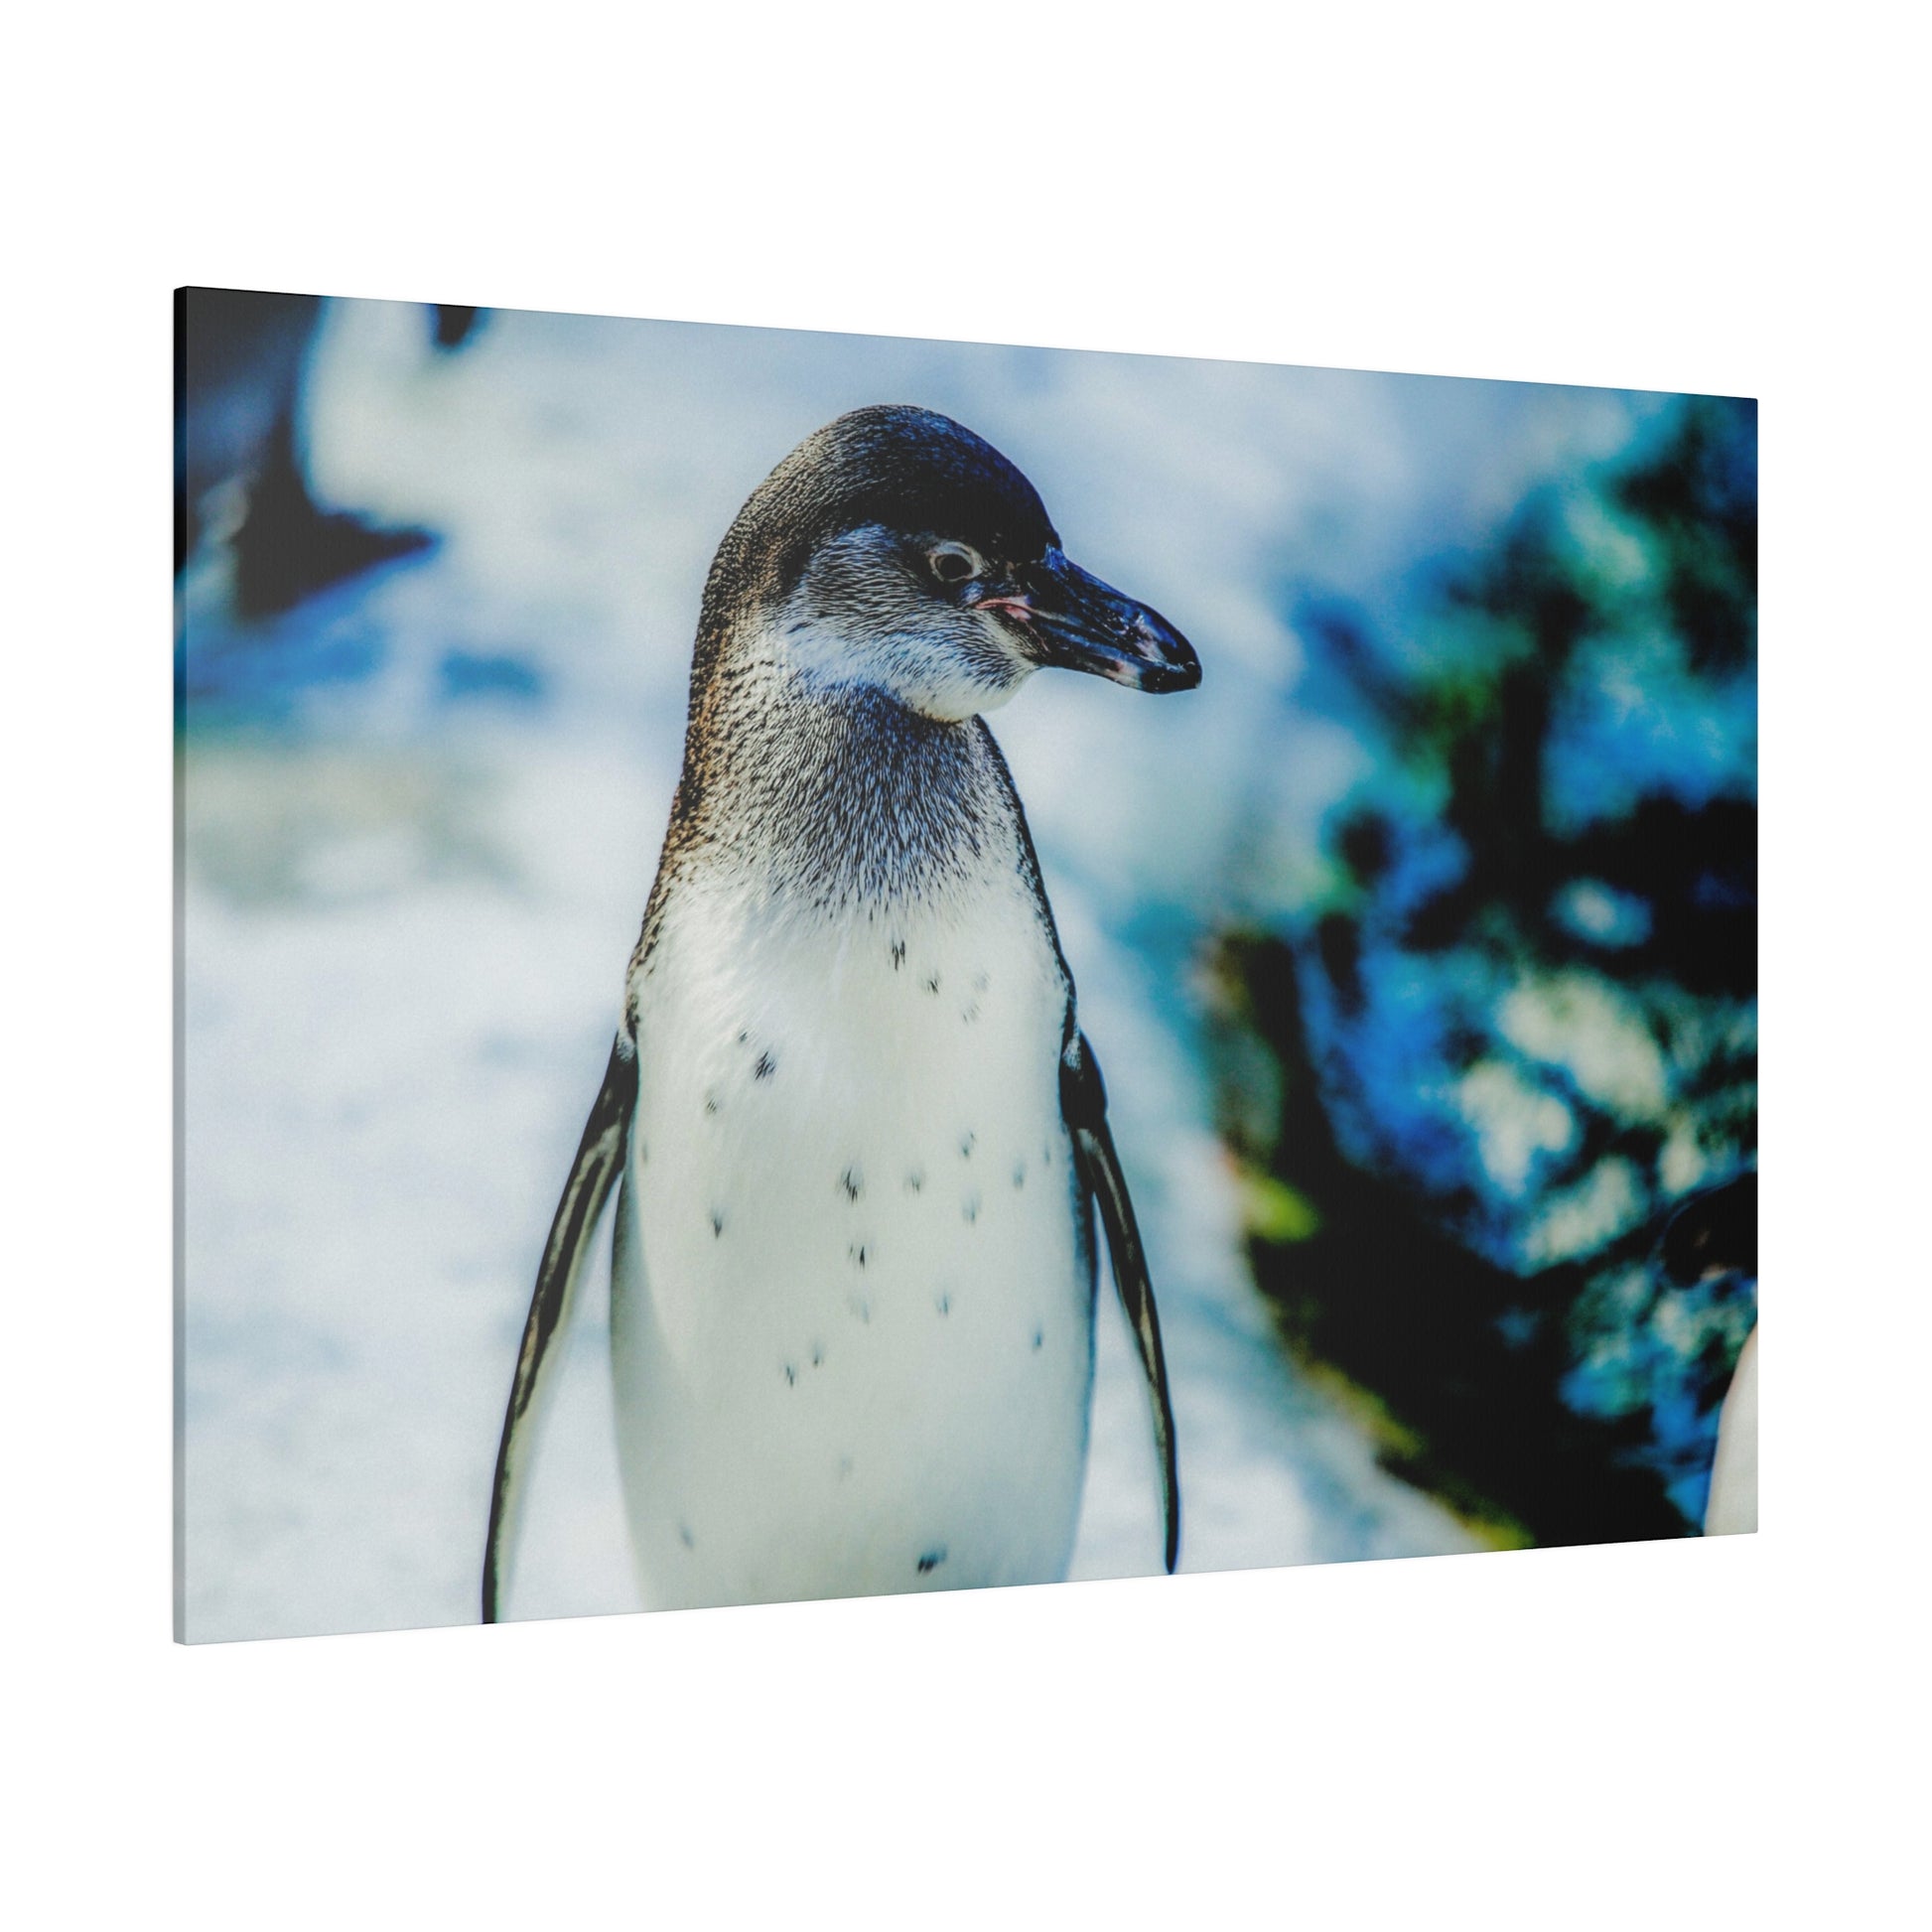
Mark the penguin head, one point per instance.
(895, 549)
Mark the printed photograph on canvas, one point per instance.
(813, 966)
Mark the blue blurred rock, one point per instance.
(1519, 1025)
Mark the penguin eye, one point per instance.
(954, 563)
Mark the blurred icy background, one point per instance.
(424, 778)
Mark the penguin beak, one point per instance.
(1069, 618)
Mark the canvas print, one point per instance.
(821, 965)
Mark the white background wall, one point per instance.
(1665, 197)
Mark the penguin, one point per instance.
(1730, 1508)
(242, 358)
(857, 1137)
(1715, 1233)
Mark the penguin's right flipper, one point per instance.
(600, 1158)
(1083, 1106)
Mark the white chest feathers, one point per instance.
(852, 1300)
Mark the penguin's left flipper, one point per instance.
(600, 1158)
(1083, 1104)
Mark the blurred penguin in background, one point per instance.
(1732, 1508)
(241, 472)
(1715, 1233)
